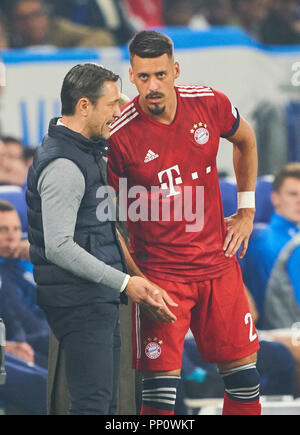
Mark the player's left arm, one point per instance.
(245, 163)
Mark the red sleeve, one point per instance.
(115, 168)
(229, 117)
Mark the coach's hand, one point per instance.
(151, 297)
(239, 229)
(161, 314)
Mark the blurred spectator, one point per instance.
(145, 13)
(282, 25)
(3, 33)
(183, 13)
(278, 363)
(17, 171)
(13, 170)
(249, 15)
(32, 24)
(218, 12)
(5, 6)
(14, 147)
(14, 166)
(25, 389)
(17, 196)
(27, 332)
(28, 154)
(108, 15)
(271, 270)
(3, 163)
(15, 269)
(275, 363)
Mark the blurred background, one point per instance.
(249, 49)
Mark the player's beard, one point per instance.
(157, 110)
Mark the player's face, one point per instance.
(154, 79)
(287, 200)
(10, 232)
(101, 115)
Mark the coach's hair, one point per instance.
(150, 44)
(291, 170)
(84, 80)
(6, 206)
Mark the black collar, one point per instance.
(95, 146)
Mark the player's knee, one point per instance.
(250, 359)
(242, 383)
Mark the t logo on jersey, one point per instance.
(169, 174)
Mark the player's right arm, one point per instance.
(237, 130)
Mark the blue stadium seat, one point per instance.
(264, 207)
(16, 196)
(257, 228)
(229, 195)
(292, 113)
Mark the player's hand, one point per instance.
(151, 297)
(239, 229)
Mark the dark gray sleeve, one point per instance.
(61, 186)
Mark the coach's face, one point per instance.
(101, 115)
(154, 79)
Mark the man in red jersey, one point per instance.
(164, 147)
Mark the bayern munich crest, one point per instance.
(201, 134)
(153, 349)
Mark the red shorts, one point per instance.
(216, 311)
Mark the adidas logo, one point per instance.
(150, 156)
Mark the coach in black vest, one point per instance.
(79, 264)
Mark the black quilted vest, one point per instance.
(56, 286)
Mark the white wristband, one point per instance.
(246, 199)
(125, 282)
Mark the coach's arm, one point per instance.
(61, 186)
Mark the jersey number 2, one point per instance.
(248, 318)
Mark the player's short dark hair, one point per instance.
(150, 44)
(291, 170)
(84, 80)
(6, 206)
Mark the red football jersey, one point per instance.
(175, 214)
